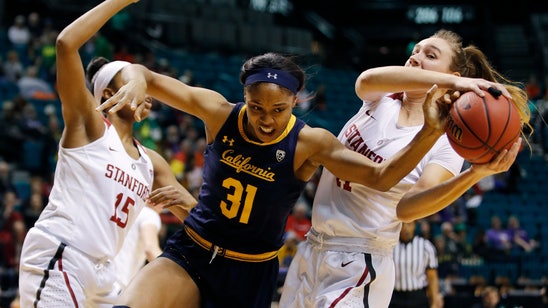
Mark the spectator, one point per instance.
(199, 150)
(192, 174)
(299, 221)
(288, 250)
(12, 229)
(48, 70)
(97, 46)
(6, 179)
(13, 67)
(417, 283)
(425, 230)
(463, 246)
(479, 244)
(19, 36)
(447, 249)
(33, 87)
(519, 237)
(188, 77)
(172, 139)
(32, 208)
(455, 213)
(148, 131)
(490, 298)
(11, 134)
(451, 239)
(498, 239)
(35, 25)
(123, 54)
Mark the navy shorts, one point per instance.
(224, 282)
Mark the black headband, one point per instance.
(279, 77)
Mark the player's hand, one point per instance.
(500, 163)
(436, 112)
(143, 110)
(132, 94)
(479, 85)
(166, 196)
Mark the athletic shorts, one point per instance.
(223, 282)
(53, 274)
(322, 277)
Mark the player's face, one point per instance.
(433, 54)
(269, 108)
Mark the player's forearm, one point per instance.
(82, 29)
(407, 159)
(400, 78)
(179, 212)
(416, 205)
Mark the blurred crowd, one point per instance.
(31, 126)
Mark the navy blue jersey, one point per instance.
(248, 188)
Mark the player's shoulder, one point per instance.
(312, 132)
(315, 136)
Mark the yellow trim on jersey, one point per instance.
(234, 255)
(286, 131)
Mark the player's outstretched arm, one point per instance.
(351, 166)
(82, 123)
(431, 194)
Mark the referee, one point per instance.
(417, 284)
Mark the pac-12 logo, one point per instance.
(280, 155)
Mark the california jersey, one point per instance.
(98, 195)
(355, 210)
(248, 188)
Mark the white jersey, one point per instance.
(132, 256)
(98, 193)
(343, 209)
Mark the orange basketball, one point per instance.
(478, 128)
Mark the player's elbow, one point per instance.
(383, 186)
(403, 215)
(64, 43)
(383, 182)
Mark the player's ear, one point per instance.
(108, 93)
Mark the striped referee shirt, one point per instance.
(411, 260)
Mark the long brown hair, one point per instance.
(471, 62)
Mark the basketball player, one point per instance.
(102, 181)
(258, 159)
(347, 259)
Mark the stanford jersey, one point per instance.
(374, 133)
(100, 192)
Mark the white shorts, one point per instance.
(324, 277)
(54, 275)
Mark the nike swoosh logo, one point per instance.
(343, 264)
(112, 149)
(368, 112)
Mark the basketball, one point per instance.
(479, 128)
